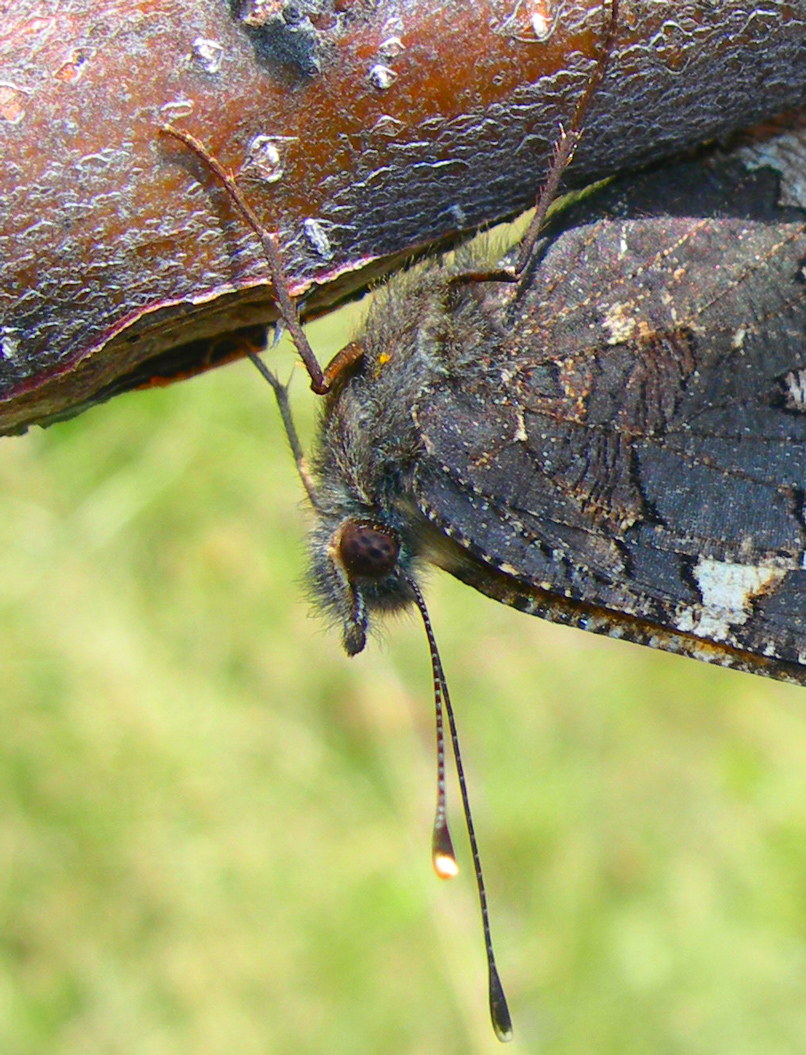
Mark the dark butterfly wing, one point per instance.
(632, 456)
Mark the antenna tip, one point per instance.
(445, 866)
(499, 1012)
(504, 1035)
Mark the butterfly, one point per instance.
(606, 427)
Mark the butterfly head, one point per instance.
(358, 567)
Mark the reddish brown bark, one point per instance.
(386, 125)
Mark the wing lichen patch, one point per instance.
(728, 591)
(795, 391)
(621, 323)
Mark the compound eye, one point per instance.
(367, 552)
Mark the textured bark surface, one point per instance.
(362, 129)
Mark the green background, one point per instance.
(214, 827)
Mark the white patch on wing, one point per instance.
(521, 435)
(737, 339)
(795, 395)
(620, 322)
(728, 591)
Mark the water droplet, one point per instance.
(382, 77)
(543, 20)
(393, 26)
(529, 21)
(259, 12)
(177, 108)
(70, 70)
(208, 53)
(265, 153)
(391, 48)
(388, 126)
(13, 101)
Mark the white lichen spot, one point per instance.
(208, 53)
(623, 248)
(728, 591)
(9, 342)
(459, 215)
(620, 322)
(317, 236)
(795, 390)
(382, 77)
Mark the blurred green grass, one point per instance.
(214, 828)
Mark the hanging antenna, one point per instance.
(565, 146)
(443, 855)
